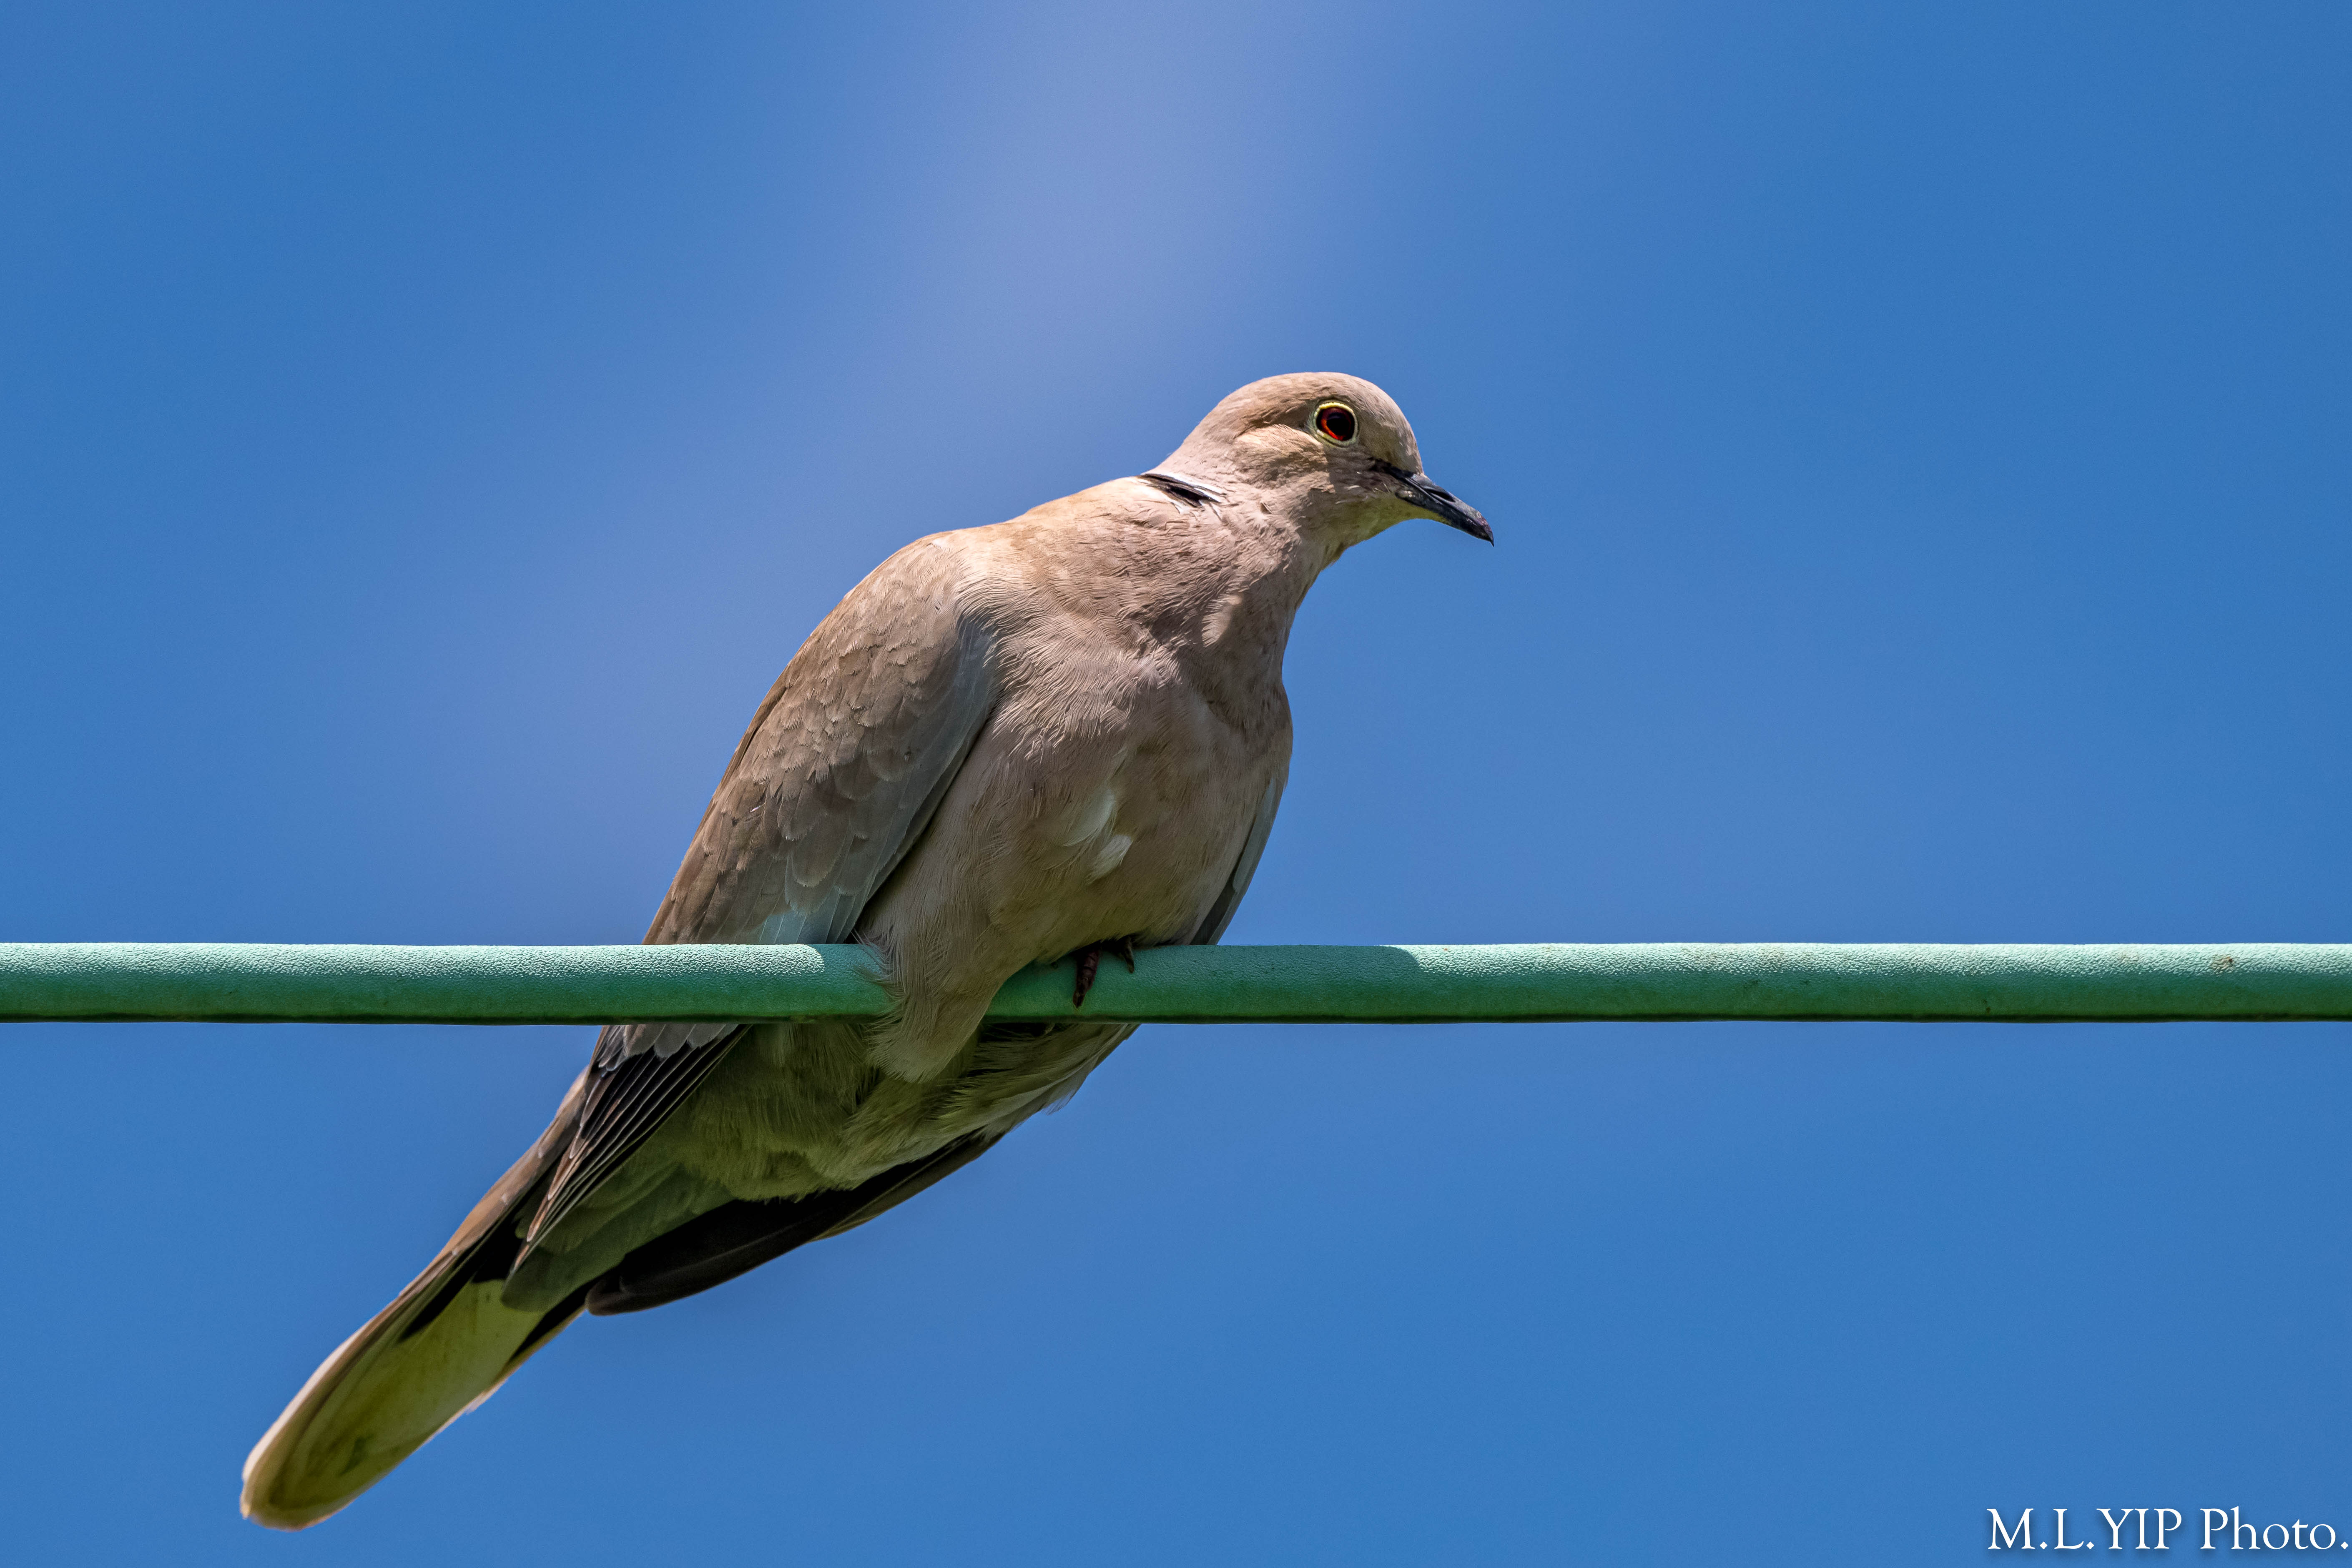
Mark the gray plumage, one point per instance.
(1006, 744)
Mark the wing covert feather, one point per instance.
(842, 766)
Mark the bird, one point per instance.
(1062, 734)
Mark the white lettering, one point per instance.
(2222, 1530)
(2022, 1536)
(2116, 1528)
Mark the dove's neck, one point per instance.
(1228, 580)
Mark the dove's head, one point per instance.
(1331, 450)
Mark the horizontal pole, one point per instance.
(1657, 981)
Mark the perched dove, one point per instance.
(1065, 733)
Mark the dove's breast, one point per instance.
(1109, 796)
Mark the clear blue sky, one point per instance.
(1916, 436)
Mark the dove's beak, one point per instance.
(1438, 503)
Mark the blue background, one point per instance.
(1916, 436)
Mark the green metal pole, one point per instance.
(1521, 983)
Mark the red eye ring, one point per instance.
(1336, 423)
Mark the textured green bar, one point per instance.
(1529, 983)
(284, 982)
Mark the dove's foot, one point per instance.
(1090, 958)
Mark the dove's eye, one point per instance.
(1336, 421)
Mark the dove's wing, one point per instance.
(827, 792)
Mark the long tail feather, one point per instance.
(443, 1346)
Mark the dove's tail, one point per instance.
(442, 1347)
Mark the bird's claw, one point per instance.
(1090, 959)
